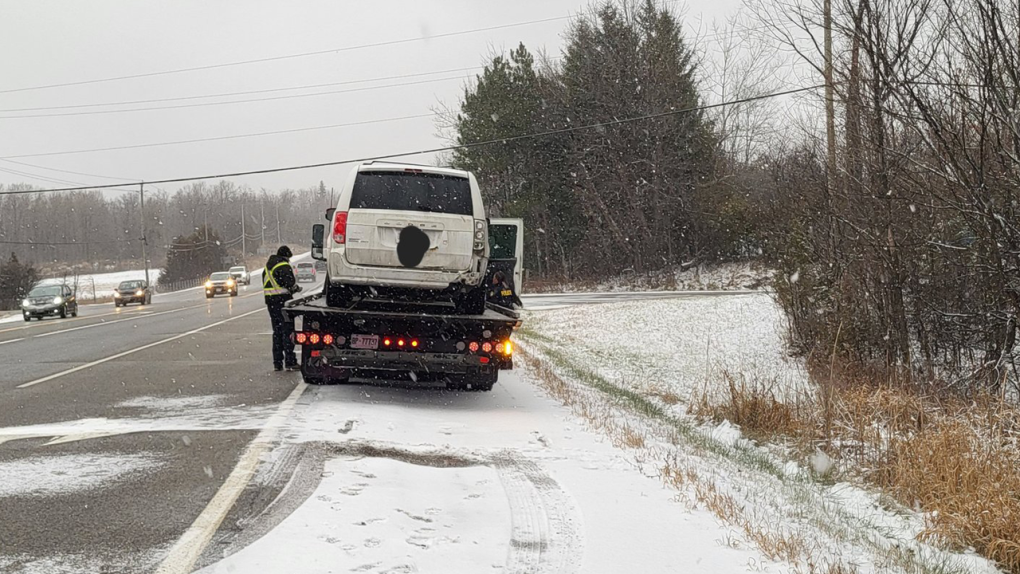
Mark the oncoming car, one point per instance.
(132, 292)
(240, 274)
(44, 300)
(221, 282)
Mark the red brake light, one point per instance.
(483, 360)
(313, 338)
(473, 347)
(487, 347)
(400, 342)
(386, 342)
(414, 343)
(301, 338)
(340, 227)
(327, 339)
(316, 353)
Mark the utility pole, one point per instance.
(205, 223)
(141, 211)
(244, 251)
(262, 209)
(279, 239)
(830, 104)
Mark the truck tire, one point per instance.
(472, 302)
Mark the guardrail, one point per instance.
(178, 285)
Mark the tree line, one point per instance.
(103, 229)
(898, 242)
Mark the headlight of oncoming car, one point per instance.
(139, 293)
(57, 300)
(208, 284)
(25, 303)
(116, 294)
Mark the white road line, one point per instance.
(135, 350)
(12, 341)
(186, 551)
(141, 316)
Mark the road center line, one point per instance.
(135, 350)
(186, 551)
(132, 318)
(12, 341)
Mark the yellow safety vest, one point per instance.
(270, 286)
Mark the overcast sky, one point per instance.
(47, 42)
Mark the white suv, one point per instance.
(401, 229)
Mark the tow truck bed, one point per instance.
(410, 342)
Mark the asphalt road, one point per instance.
(118, 428)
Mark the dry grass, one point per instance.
(751, 405)
(957, 459)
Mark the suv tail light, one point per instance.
(340, 227)
(480, 233)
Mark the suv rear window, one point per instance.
(304, 265)
(402, 191)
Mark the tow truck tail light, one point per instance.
(473, 347)
(301, 338)
(414, 343)
(314, 338)
(487, 347)
(400, 342)
(387, 342)
(327, 339)
(340, 228)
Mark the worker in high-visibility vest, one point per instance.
(279, 286)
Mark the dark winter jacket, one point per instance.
(284, 277)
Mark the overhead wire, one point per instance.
(504, 140)
(283, 57)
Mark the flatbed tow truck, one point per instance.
(427, 343)
(410, 342)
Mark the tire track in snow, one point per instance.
(545, 535)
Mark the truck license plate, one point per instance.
(364, 341)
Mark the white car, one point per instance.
(240, 274)
(402, 230)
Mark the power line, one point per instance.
(218, 138)
(49, 243)
(68, 171)
(505, 140)
(204, 104)
(284, 57)
(246, 93)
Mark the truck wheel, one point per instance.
(472, 302)
(27, 317)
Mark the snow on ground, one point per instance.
(100, 285)
(62, 473)
(611, 364)
(677, 345)
(723, 276)
(426, 480)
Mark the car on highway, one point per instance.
(46, 300)
(132, 292)
(220, 282)
(320, 266)
(304, 271)
(240, 274)
(408, 231)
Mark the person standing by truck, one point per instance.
(279, 286)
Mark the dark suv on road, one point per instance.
(45, 300)
(132, 292)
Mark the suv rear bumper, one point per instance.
(342, 272)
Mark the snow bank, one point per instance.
(722, 277)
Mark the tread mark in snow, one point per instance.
(544, 536)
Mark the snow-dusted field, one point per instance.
(621, 366)
(681, 345)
